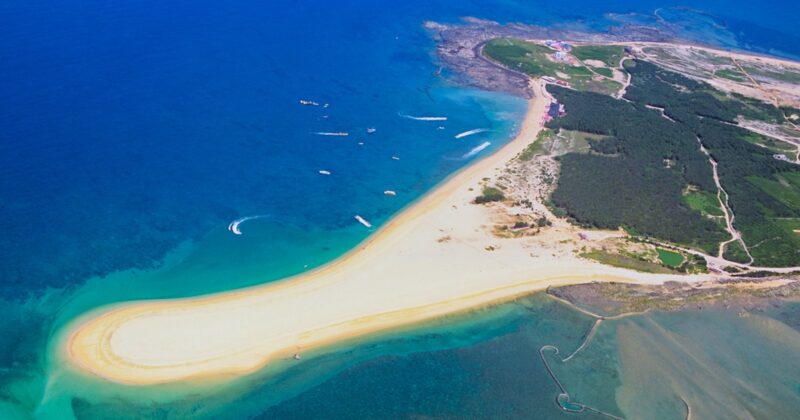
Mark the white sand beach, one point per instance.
(437, 257)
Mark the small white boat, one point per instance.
(324, 172)
(307, 102)
(363, 221)
(395, 158)
(361, 143)
(389, 193)
(371, 130)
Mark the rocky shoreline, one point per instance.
(459, 49)
(614, 299)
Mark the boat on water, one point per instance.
(389, 193)
(371, 130)
(309, 103)
(324, 172)
(395, 158)
(363, 221)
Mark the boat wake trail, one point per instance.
(234, 225)
(412, 117)
(332, 133)
(477, 149)
(471, 132)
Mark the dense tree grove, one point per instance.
(636, 177)
(757, 212)
(640, 185)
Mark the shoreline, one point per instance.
(454, 39)
(402, 274)
(738, 53)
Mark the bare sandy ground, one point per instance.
(437, 257)
(772, 90)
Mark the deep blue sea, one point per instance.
(133, 133)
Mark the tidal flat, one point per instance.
(716, 362)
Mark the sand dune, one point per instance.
(436, 257)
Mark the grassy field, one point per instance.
(571, 141)
(608, 54)
(536, 60)
(703, 202)
(776, 146)
(785, 76)
(624, 261)
(670, 258)
(605, 71)
(537, 147)
(735, 252)
(489, 194)
(786, 188)
(731, 74)
(792, 224)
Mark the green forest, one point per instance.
(637, 178)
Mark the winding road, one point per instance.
(726, 209)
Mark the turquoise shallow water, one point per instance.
(486, 364)
(132, 134)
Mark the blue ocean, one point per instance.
(133, 134)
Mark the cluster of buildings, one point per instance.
(560, 46)
(562, 49)
(561, 56)
(553, 80)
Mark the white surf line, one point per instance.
(234, 225)
(412, 117)
(477, 149)
(470, 132)
(363, 221)
(332, 133)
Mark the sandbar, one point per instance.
(436, 257)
